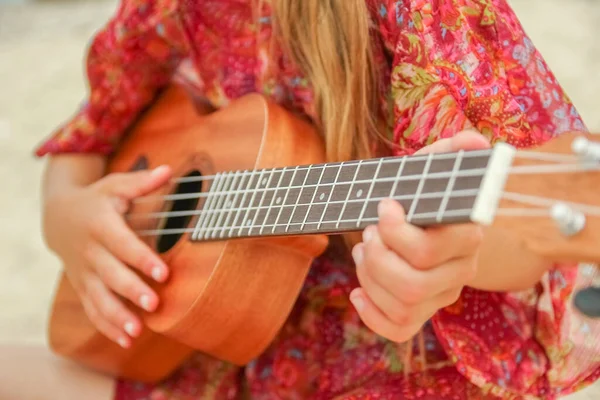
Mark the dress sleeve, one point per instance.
(128, 61)
(462, 64)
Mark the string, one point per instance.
(467, 173)
(475, 172)
(317, 167)
(521, 212)
(542, 156)
(551, 169)
(532, 155)
(153, 232)
(512, 212)
(430, 195)
(548, 202)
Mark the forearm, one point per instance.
(506, 264)
(65, 172)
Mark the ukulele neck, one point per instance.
(465, 186)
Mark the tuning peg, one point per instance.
(587, 301)
(587, 150)
(569, 221)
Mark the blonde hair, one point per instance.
(329, 40)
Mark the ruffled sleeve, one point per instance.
(128, 61)
(462, 64)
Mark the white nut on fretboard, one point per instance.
(587, 150)
(569, 221)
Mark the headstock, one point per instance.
(552, 198)
(552, 201)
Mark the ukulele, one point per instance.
(252, 204)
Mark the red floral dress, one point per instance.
(449, 65)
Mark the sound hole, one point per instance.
(167, 241)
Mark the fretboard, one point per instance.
(340, 197)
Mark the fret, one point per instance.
(407, 182)
(242, 205)
(280, 202)
(332, 189)
(218, 206)
(338, 194)
(226, 206)
(248, 219)
(206, 210)
(257, 203)
(469, 164)
(438, 179)
(273, 195)
(267, 196)
(298, 200)
(464, 182)
(415, 200)
(358, 193)
(398, 176)
(317, 190)
(349, 194)
(232, 205)
(449, 187)
(364, 208)
(384, 185)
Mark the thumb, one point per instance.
(464, 140)
(135, 184)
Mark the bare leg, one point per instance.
(34, 373)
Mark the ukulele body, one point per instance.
(227, 299)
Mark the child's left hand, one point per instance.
(408, 273)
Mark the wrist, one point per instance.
(506, 264)
(67, 172)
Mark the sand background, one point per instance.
(41, 83)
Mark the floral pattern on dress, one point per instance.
(448, 65)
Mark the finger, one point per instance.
(135, 184)
(425, 248)
(464, 140)
(111, 309)
(382, 297)
(375, 320)
(103, 325)
(122, 280)
(446, 299)
(114, 234)
(380, 269)
(411, 286)
(379, 322)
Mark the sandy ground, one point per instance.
(41, 48)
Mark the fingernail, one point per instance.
(357, 301)
(145, 302)
(159, 170)
(130, 329)
(157, 274)
(383, 207)
(358, 254)
(124, 343)
(367, 234)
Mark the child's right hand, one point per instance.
(85, 227)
